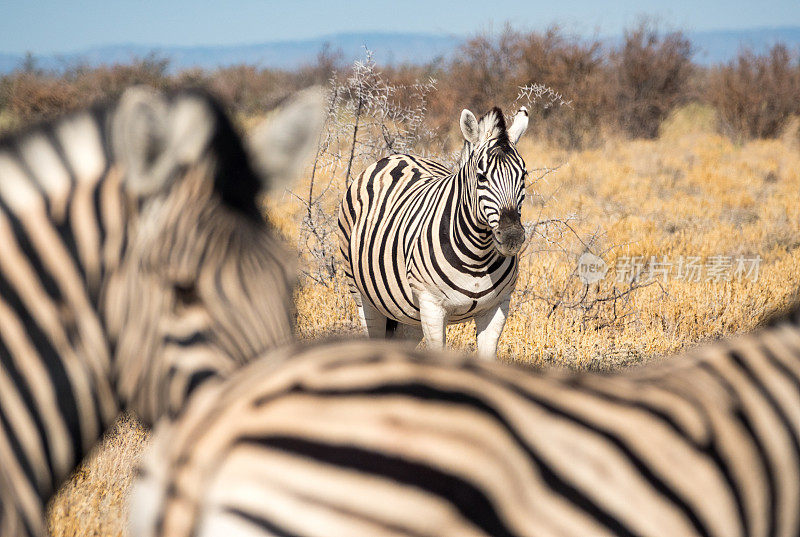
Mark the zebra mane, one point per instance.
(493, 125)
(235, 179)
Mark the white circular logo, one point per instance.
(591, 268)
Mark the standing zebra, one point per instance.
(366, 439)
(134, 264)
(423, 246)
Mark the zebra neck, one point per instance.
(468, 236)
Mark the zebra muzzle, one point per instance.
(509, 235)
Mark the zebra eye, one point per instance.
(481, 177)
(186, 294)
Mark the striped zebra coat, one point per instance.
(366, 439)
(134, 265)
(425, 247)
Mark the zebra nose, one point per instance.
(509, 233)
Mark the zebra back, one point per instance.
(363, 438)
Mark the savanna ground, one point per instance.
(690, 192)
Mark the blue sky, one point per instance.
(58, 26)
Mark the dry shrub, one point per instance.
(328, 62)
(249, 90)
(652, 72)
(756, 94)
(368, 117)
(108, 82)
(487, 70)
(633, 87)
(30, 94)
(575, 69)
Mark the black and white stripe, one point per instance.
(425, 247)
(372, 439)
(134, 265)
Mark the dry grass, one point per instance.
(691, 193)
(93, 502)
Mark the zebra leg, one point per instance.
(489, 326)
(371, 319)
(434, 320)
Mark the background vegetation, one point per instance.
(629, 89)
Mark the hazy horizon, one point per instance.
(51, 27)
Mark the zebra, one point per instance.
(424, 247)
(135, 265)
(366, 439)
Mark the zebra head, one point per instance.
(204, 285)
(499, 174)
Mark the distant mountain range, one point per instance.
(389, 48)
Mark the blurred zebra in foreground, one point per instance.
(367, 439)
(425, 247)
(134, 265)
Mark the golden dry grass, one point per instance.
(690, 193)
(93, 501)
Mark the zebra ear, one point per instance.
(139, 131)
(152, 138)
(281, 145)
(469, 127)
(519, 126)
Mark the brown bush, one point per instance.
(249, 90)
(652, 71)
(756, 94)
(108, 82)
(31, 96)
(632, 88)
(488, 71)
(576, 69)
(328, 61)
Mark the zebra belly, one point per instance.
(391, 283)
(483, 293)
(459, 307)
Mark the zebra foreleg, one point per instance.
(434, 320)
(489, 326)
